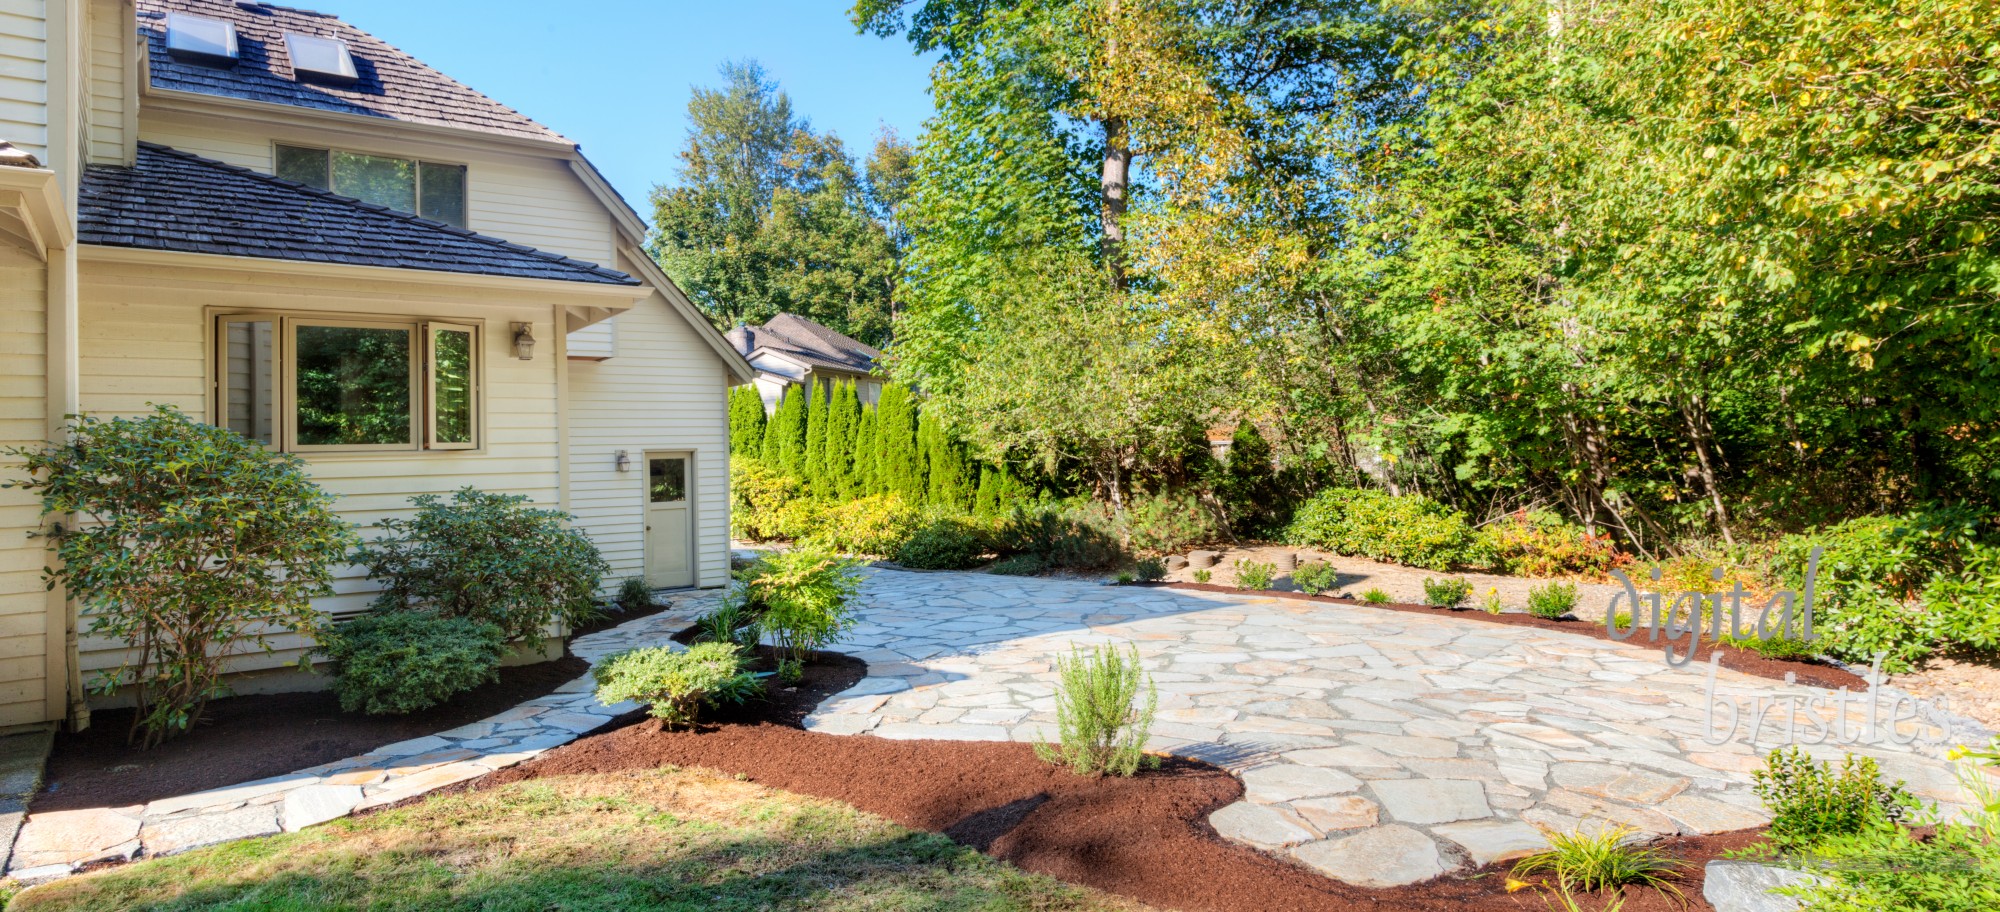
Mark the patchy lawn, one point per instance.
(660, 839)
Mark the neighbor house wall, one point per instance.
(144, 331)
(664, 390)
(24, 606)
(527, 199)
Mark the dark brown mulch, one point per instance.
(245, 738)
(1146, 837)
(1809, 671)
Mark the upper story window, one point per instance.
(432, 190)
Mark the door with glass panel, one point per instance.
(669, 520)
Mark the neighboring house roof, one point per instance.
(806, 342)
(170, 200)
(392, 84)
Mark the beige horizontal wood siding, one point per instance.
(112, 42)
(23, 602)
(144, 337)
(537, 201)
(665, 390)
(24, 75)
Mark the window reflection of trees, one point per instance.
(353, 386)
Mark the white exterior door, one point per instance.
(669, 521)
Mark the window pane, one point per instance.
(444, 193)
(353, 385)
(390, 182)
(307, 166)
(451, 385)
(668, 479)
(248, 391)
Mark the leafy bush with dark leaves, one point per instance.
(945, 544)
(394, 662)
(488, 557)
(1061, 539)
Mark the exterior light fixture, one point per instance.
(624, 461)
(524, 341)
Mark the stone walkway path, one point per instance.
(56, 844)
(1379, 747)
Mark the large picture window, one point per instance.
(304, 384)
(430, 189)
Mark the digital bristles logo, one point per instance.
(1802, 717)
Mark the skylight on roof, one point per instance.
(199, 39)
(316, 59)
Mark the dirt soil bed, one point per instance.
(241, 739)
(1146, 838)
(1815, 673)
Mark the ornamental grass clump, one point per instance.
(799, 598)
(1603, 859)
(395, 662)
(191, 543)
(634, 594)
(489, 557)
(1101, 719)
(677, 684)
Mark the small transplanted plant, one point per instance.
(1449, 592)
(1376, 596)
(1812, 801)
(1315, 577)
(1254, 574)
(634, 594)
(676, 684)
(1552, 601)
(1149, 570)
(1603, 859)
(799, 599)
(1491, 603)
(1104, 709)
(1203, 576)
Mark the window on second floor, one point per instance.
(429, 189)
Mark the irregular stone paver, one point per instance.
(54, 845)
(1468, 735)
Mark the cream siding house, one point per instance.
(213, 232)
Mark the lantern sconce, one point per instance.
(524, 341)
(624, 461)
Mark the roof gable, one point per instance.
(170, 200)
(392, 85)
(807, 342)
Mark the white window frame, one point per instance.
(284, 423)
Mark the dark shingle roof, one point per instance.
(804, 340)
(393, 84)
(170, 200)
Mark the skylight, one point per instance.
(316, 59)
(198, 39)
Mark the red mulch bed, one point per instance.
(1146, 837)
(241, 739)
(1809, 671)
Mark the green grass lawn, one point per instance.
(653, 840)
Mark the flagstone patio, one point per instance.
(1378, 747)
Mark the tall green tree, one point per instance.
(768, 216)
(746, 420)
(898, 461)
(818, 480)
(867, 474)
(785, 435)
(843, 414)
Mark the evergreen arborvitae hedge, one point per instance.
(867, 480)
(746, 420)
(785, 436)
(898, 461)
(814, 464)
(948, 477)
(842, 414)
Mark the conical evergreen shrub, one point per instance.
(898, 460)
(842, 413)
(746, 420)
(867, 479)
(948, 481)
(785, 438)
(814, 464)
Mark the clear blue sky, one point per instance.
(614, 75)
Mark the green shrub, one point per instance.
(1018, 565)
(1955, 869)
(1963, 608)
(1775, 647)
(1449, 592)
(1541, 543)
(945, 544)
(1871, 571)
(1101, 721)
(877, 526)
(1067, 540)
(1552, 600)
(1316, 577)
(800, 598)
(1254, 574)
(1149, 569)
(193, 543)
(634, 594)
(1601, 859)
(401, 661)
(678, 684)
(1203, 576)
(489, 557)
(766, 504)
(1154, 523)
(1491, 603)
(1810, 801)
(1125, 578)
(1376, 596)
(1411, 530)
(728, 622)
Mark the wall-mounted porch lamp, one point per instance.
(524, 341)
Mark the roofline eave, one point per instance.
(601, 294)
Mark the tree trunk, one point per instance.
(1117, 176)
(1695, 414)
